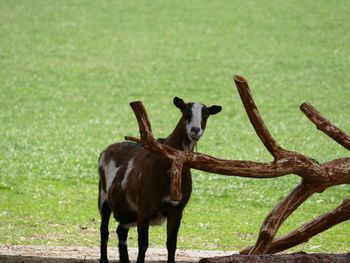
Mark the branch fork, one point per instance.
(315, 177)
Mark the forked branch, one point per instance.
(305, 232)
(312, 228)
(315, 177)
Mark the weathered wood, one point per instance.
(325, 125)
(279, 214)
(315, 177)
(290, 163)
(281, 258)
(175, 180)
(255, 117)
(310, 229)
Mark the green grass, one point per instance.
(69, 68)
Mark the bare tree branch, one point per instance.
(310, 229)
(255, 117)
(279, 214)
(325, 125)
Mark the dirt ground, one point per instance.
(60, 254)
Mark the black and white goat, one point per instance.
(134, 184)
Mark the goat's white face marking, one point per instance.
(194, 127)
(195, 116)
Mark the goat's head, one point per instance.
(195, 116)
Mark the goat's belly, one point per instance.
(130, 220)
(127, 219)
(157, 221)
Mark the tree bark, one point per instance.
(325, 125)
(255, 117)
(310, 229)
(279, 214)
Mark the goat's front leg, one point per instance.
(122, 233)
(142, 230)
(173, 225)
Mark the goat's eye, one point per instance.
(188, 115)
(205, 113)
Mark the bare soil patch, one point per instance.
(60, 254)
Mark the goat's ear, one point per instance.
(214, 109)
(179, 103)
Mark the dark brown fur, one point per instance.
(147, 191)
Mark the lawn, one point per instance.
(68, 70)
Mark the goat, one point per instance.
(134, 184)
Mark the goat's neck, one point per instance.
(178, 139)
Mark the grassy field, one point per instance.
(69, 68)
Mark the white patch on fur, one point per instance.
(101, 162)
(195, 120)
(110, 172)
(166, 199)
(159, 220)
(127, 173)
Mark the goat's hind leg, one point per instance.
(142, 231)
(122, 233)
(173, 225)
(105, 212)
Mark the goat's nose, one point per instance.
(195, 130)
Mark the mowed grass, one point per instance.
(68, 70)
